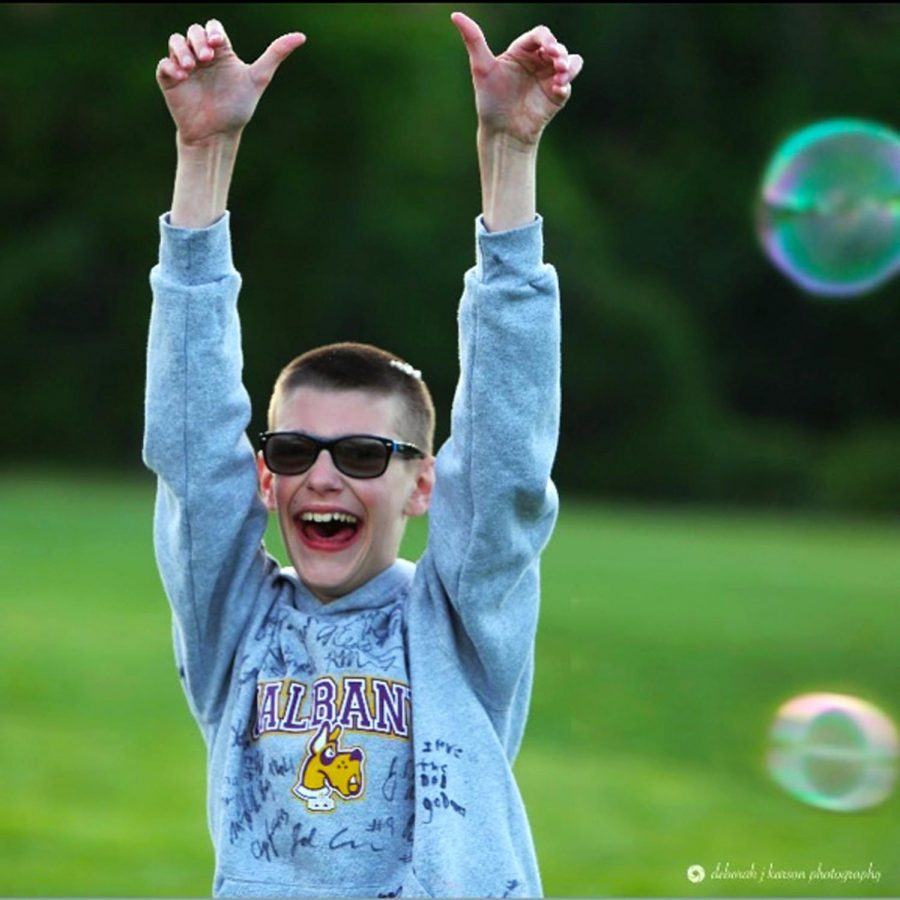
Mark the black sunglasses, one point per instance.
(356, 455)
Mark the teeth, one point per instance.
(329, 517)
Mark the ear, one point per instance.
(320, 741)
(420, 499)
(335, 735)
(266, 487)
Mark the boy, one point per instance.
(361, 714)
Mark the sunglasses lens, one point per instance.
(360, 457)
(289, 454)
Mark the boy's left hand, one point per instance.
(518, 92)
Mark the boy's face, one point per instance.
(333, 564)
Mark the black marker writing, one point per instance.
(389, 788)
(430, 805)
(280, 766)
(440, 746)
(336, 844)
(265, 848)
(302, 840)
(381, 825)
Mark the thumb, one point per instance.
(263, 70)
(480, 56)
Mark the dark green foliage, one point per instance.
(693, 370)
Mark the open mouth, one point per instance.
(327, 530)
(353, 785)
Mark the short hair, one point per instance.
(350, 366)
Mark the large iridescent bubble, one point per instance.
(834, 751)
(829, 209)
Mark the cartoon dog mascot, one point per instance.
(328, 769)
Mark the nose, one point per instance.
(324, 476)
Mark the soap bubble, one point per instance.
(829, 210)
(834, 751)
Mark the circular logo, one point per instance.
(696, 874)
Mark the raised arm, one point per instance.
(494, 505)
(211, 95)
(209, 521)
(516, 95)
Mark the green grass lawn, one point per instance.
(668, 639)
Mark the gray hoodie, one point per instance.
(363, 747)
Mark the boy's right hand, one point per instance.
(210, 92)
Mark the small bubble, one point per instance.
(829, 209)
(834, 751)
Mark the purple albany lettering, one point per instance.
(354, 709)
(359, 703)
(391, 703)
(292, 722)
(267, 694)
(324, 691)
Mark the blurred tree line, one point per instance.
(692, 368)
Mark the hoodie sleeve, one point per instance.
(209, 521)
(495, 506)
